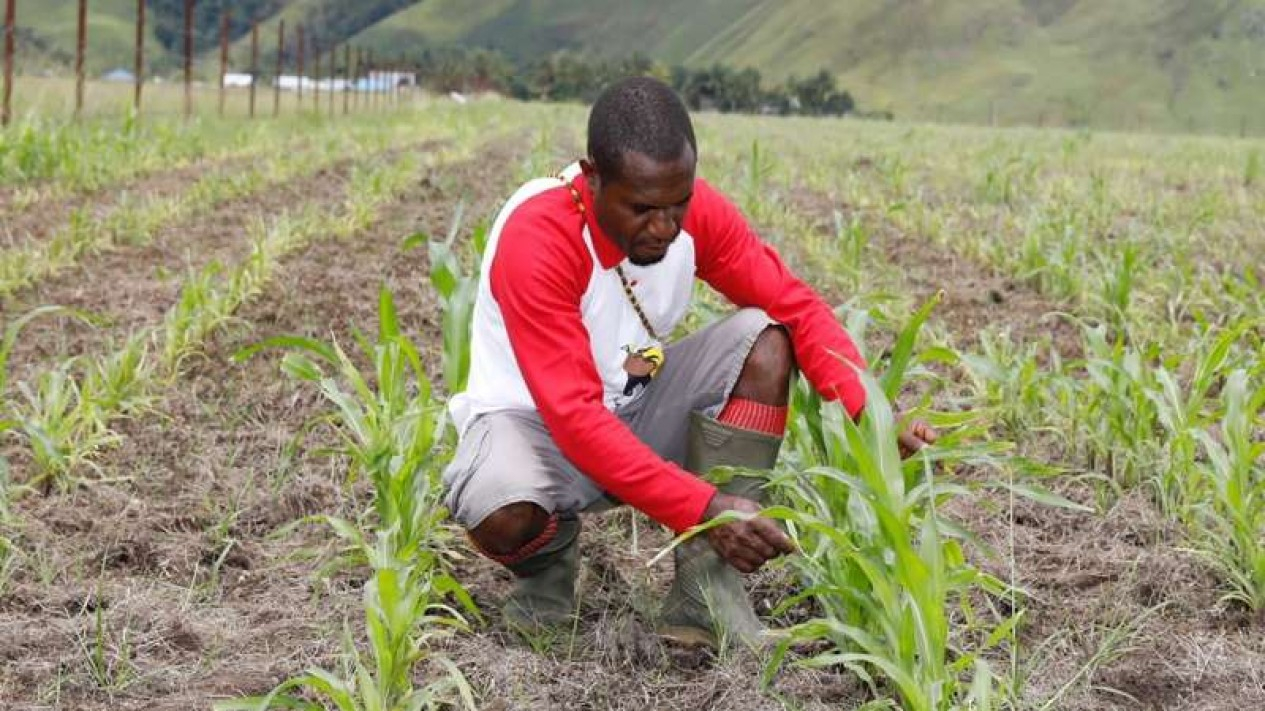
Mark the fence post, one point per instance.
(188, 58)
(81, 41)
(10, 19)
(225, 18)
(333, 55)
(139, 68)
(316, 78)
(360, 63)
(254, 63)
(346, 77)
(276, 80)
(373, 81)
(299, 40)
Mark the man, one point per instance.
(575, 399)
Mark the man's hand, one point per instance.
(746, 545)
(916, 435)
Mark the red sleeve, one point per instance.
(735, 262)
(538, 276)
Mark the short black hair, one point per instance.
(640, 114)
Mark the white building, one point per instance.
(237, 79)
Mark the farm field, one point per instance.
(227, 346)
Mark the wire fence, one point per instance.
(310, 77)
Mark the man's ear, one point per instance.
(590, 175)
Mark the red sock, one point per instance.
(756, 416)
(529, 548)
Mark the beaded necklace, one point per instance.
(645, 363)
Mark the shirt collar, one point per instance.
(608, 253)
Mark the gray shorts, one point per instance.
(508, 456)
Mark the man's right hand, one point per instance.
(746, 545)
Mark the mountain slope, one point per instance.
(1122, 64)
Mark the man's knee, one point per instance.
(767, 371)
(509, 528)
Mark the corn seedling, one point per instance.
(1230, 527)
(457, 285)
(389, 424)
(876, 559)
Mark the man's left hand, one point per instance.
(916, 435)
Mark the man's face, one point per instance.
(642, 209)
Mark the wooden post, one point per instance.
(276, 81)
(254, 63)
(346, 77)
(360, 63)
(81, 43)
(188, 58)
(225, 18)
(299, 40)
(333, 55)
(398, 86)
(316, 77)
(10, 19)
(139, 69)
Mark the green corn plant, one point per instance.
(1184, 410)
(1118, 419)
(755, 195)
(1119, 286)
(121, 381)
(881, 563)
(388, 422)
(1229, 529)
(851, 239)
(1007, 378)
(402, 618)
(186, 320)
(61, 425)
(457, 286)
(389, 426)
(876, 558)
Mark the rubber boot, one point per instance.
(707, 604)
(543, 597)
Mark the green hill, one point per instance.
(111, 32)
(1168, 64)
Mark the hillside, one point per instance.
(1167, 64)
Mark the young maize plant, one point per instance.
(389, 424)
(457, 286)
(882, 565)
(1230, 529)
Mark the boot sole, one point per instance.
(689, 637)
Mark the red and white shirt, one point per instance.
(553, 327)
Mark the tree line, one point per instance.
(572, 76)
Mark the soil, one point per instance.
(155, 271)
(38, 220)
